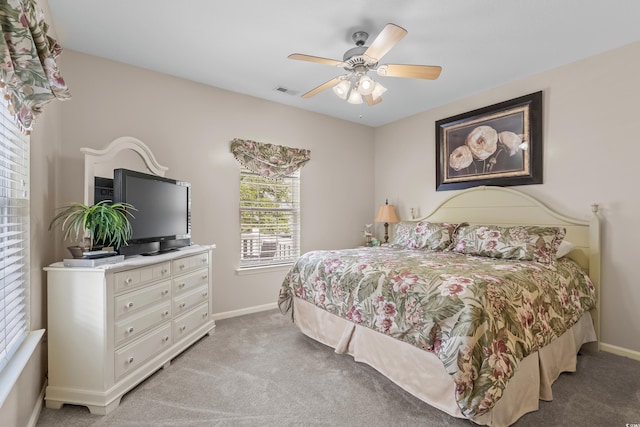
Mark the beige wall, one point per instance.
(188, 127)
(591, 150)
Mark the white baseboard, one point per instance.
(243, 311)
(35, 414)
(620, 351)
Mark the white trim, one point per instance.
(620, 351)
(37, 409)
(243, 311)
(263, 269)
(12, 370)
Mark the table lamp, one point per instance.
(386, 213)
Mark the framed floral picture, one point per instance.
(496, 145)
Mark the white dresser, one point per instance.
(111, 327)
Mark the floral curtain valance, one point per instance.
(268, 160)
(29, 74)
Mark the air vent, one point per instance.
(287, 91)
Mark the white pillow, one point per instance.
(564, 248)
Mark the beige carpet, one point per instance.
(259, 370)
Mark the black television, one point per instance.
(162, 221)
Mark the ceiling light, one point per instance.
(365, 85)
(342, 89)
(352, 87)
(378, 90)
(354, 97)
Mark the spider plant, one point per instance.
(104, 222)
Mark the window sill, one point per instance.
(12, 370)
(262, 269)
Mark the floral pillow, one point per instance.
(527, 243)
(423, 235)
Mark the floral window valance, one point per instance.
(268, 160)
(29, 74)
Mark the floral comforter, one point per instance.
(479, 315)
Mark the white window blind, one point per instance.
(14, 235)
(269, 219)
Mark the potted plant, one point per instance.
(105, 222)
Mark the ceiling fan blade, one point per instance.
(371, 101)
(390, 35)
(302, 57)
(429, 72)
(322, 87)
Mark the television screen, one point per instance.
(162, 220)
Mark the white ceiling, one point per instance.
(242, 45)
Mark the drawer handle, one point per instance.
(205, 315)
(128, 280)
(204, 260)
(181, 285)
(165, 314)
(204, 294)
(183, 328)
(130, 360)
(182, 305)
(165, 271)
(130, 330)
(165, 292)
(129, 305)
(204, 277)
(181, 266)
(165, 338)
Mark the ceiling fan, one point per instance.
(358, 61)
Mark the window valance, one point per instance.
(269, 160)
(29, 74)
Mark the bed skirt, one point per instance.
(422, 374)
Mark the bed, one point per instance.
(472, 308)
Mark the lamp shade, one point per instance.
(378, 90)
(366, 85)
(386, 213)
(354, 97)
(342, 89)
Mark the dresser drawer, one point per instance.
(133, 302)
(189, 281)
(130, 279)
(188, 300)
(184, 325)
(132, 355)
(138, 323)
(182, 265)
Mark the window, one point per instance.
(269, 219)
(14, 235)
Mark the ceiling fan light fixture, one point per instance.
(366, 85)
(342, 89)
(356, 86)
(354, 97)
(378, 90)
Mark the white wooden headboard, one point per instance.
(507, 207)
